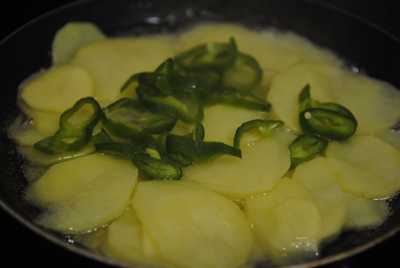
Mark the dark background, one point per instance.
(21, 248)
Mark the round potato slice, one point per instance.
(372, 102)
(261, 167)
(128, 242)
(365, 166)
(57, 89)
(192, 226)
(112, 61)
(287, 222)
(71, 37)
(316, 177)
(84, 193)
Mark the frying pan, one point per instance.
(27, 51)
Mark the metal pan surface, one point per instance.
(347, 35)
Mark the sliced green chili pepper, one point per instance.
(240, 72)
(209, 56)
(191, 150)
(327, 123)
(118, 148)
(324, 118)
(266, 127)
(184, 105)
(305, 147)
(156, 168)
(65, 139)
(198, 132)
(101, 136)
(128, 118)
(234, 97)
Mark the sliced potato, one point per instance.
(71, 37)
(84, 193)
(365, 166)
(192, 226)
(261, 167)
(125, 241)
(286, 221)
(373, 103)
(274, 51)
(112, 61)
(57, 89)
(316, 177)
(365, 213)
(221, 122)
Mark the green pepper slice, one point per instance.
(184, 105)
(327, 123)
(128, 118)
(305, 147)
(156, 168)
(117, 148)
(185, 150)
(266, 127)
(209, 56)
(245, 75)
(66, 139)
(234, 97)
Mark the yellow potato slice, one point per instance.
(364, 213)
(286, 87)
(71, 37)
(286, 221)
(84, 193)
(57, 89)
(125, 241)
(192, 226)
(261, 167)
(112, 61)
(221, 122)
(373, 103)
(274, 51)
(365, 166)
(316, 177)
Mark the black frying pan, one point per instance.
(360, 43)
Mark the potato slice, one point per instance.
(84, 193)
(125, 241)
(365, 166)
(57, 89)
(274, 51)
(286, 221)
(71, 37)
(261, 167)
(192, 226)
(365, 213)
(373, 103)
(221, 122)
(112, 61)
(316, 177)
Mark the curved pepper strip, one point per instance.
(248, 62)
(326, 119)
(305, 147)
(152, 166)
(234, 97)
(209, 56)
(179, 147)
(156, 168)
(266, 128)
(327, 123)
(184, 105)
(65, 139)
(128, 118)
(118, 148)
